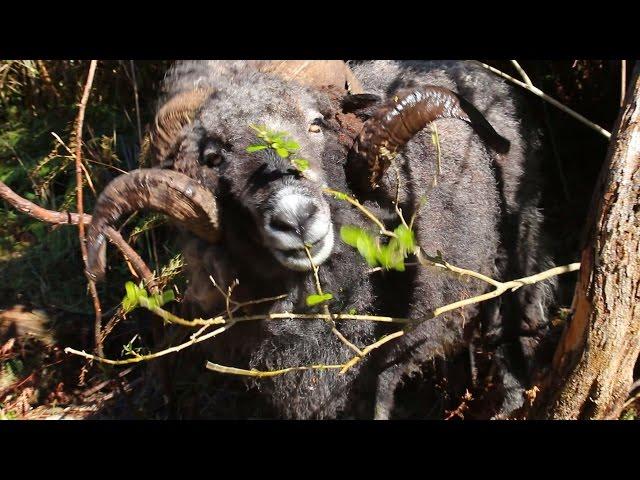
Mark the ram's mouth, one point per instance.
(297, 259)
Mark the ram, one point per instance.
(251, 212)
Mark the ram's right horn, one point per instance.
(172, 193)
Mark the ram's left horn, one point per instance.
(397, 121)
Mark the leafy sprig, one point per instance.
(281, 143)
(389, 256)
(138, 296)
(317, 299)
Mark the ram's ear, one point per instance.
(165, 133)
(359, 103)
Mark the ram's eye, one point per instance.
(317, 125)
(212, 157)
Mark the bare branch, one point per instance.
(269, 373)
(151, 356)
(552, 101)
(330, 322)
(69, 218)
(522, 73)
(623, 82)
(362, 208)
(228, 323)
(371, 347)
(135, 94)
(80, 202)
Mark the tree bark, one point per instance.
(592, 369)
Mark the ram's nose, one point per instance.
(295, 214)
(296, 219)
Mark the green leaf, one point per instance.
(350, 234)
(383, 256)
(397, 255)
(362, 240)
(318, 299)
(301, 164)
(152, 302)
(352, 311)
(168, 296)
(132, 291)
(367, 247)
(390, 257)
(291, 145)
(128, 305)
(130, 300)
(256, 148)
(406, 238)
(282, 152)
(5, 175)
(280, 136)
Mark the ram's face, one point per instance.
(281, 192)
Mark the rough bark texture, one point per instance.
(592, 370)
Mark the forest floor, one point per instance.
(39, 381)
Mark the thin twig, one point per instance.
(80, 201)
(269, 373)
(630, 401)
(563, 180)
(556, 153)
(552, 101)
(239, 305)
(221, 320)
(397, 200)
(435, 138)
(439, 262)
(500, 287)
(151, 356)
(230, 288)
(362, 208)
(522, 73)
(330, 322)
(228, 323)
(369, 348)
(135, 95)
(623, 82)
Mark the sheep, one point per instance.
(482, 214)
(249, 216)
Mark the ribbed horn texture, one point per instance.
(172, 193)
(398, 120)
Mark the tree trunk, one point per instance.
(592, 370)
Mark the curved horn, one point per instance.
(398, 120)
(169, 122)
(165, 191)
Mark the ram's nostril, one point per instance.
(282, 223)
